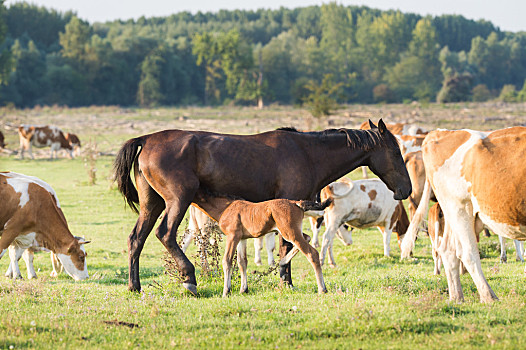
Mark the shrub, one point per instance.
(508, 93)
(480, 93)
(383, 93)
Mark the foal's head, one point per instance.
(385, 160)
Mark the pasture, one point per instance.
(372, 301)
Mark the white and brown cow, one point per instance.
(478, 179)
(74, 142)
(30, 215)
(43, 136)
(362, 204)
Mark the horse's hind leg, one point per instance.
(178, 199)
(151, 207)
(242, 262)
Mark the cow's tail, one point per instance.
(308, 205)
(409, 239)
(402, 224)
(122, 168)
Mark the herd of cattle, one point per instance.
(474, 177)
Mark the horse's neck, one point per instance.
(213, 206)
(334, 161)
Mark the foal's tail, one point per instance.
(308, 205)
(122, 167)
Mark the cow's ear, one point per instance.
(371, 124)
(381, 126)
(71, 248)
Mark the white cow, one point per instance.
(362, 204)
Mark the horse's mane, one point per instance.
(356, 138)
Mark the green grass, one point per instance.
(372, 301)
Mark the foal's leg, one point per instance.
(271, 245)
(14, 255)
(258, 245)
(242, 262)
(296, 237)
(230, 246)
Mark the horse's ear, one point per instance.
(381, 126)
(371, 124)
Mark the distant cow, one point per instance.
(74, 142)
(30, 215)
(362, 204)
(478, 178)
(43, 136)
(2, 141)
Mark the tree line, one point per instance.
(355, 54)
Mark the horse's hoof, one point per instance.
(322, 291)
(134, 289)
(333, 266)
(258, 263)
(192, 288)
(243, 291)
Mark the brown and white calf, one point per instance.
(74, 142)
(198, 220)
(30, 215)
(362, 204)
(478, 179)
(239, 220)
(43, 136)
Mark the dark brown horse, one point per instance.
(170, 166)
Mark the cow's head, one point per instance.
(74, 259)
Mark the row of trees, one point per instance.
(354, 54)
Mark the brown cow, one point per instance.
(2, 141)
(42, 136)
(478, 178)
(30, 215)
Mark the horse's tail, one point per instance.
(122, 167)
(308, 205)
(409, 239)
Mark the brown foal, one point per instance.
(240, 219)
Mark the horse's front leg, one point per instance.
(230, 246)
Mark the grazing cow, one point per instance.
(30, 215)
(74, 142)
(170, 166)
(409, 136)
(362, 204)
(477, 178)
(240, 219)
(198, 220)
(42, 136)
(2, 141)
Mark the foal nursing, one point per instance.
(240, 219)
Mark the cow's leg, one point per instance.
(28, 257)
(271, 245)
(285, 270)
(56, 264)
(519, 250)
(230, 247)
(242, 262)
(14, 255)
(463, 224)
(503, 255)
(258, 246)
(386, 235)
(191, 231)
(331, 226)
(447, 249)
(364, 172)
(315, 231)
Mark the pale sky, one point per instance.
(508, 15)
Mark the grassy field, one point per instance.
(373, 301)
